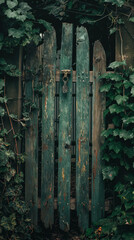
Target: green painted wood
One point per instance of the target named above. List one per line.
(82, 127)
(99, 67)
(47, 166)
(65, 129)
(31, 134)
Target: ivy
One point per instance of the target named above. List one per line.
(118, 153)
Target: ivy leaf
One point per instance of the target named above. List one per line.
(24, 7)
(113, 30)
(106, 133)
(120, 21)
(131, 78)
(131, 106)
(2, 111)
(2, 61)
(105, 87)
(112, 76)
(118, 84)
(121, 99)
(126, 134)
(129, 151)
(125, 164)
(115, 146)
(117, 121)
(2, 84)
(127, 84)
(110, 172)
(131, 19)
(128, 120)
(2, 1)
(132, 91)
(122, 133)
(117, 64)
(45, 24)
(15, 33)
(3, 99)
(114, 108)
(119, 3)
(12, 4)
(10, 14)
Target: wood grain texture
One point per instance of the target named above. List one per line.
(65, 128)
(31, 134)
(82, 127)
(99, 67)
(47, 166)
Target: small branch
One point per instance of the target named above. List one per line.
(11, 124)
(122, 55)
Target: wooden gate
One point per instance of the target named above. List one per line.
(71, 120)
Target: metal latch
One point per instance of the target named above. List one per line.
(65, 79)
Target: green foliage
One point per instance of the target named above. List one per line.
(13, 209)
(118, 153)
(18, 27)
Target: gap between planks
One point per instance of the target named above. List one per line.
(108, 203)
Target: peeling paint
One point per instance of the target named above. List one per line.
(63, 174)
(46, 98)
(83, 168)
(60, 159)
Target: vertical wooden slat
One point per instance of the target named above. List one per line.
(31, 134)
(99, 67)
(82, 127)
(47, 166)
(65, 128)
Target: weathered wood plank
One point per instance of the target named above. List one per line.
(99, 67)
(82, 127)
(31, 134)
(47, 167)
(65, 128)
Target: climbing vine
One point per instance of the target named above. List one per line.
(118, 152)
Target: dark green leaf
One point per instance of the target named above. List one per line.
(117, 64)
(131, 78)
(119, 3)
(128, 120)
(2, 1)
(132, 91)
(127, 84)
(15, 33)
(131, 19)
(105, 87)
(47, 25)
(115, 146)
(112, 76)
(113, 30)
(116, 109)
(110, 172)
(12, 3)
(121, 99)
(2, 111)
